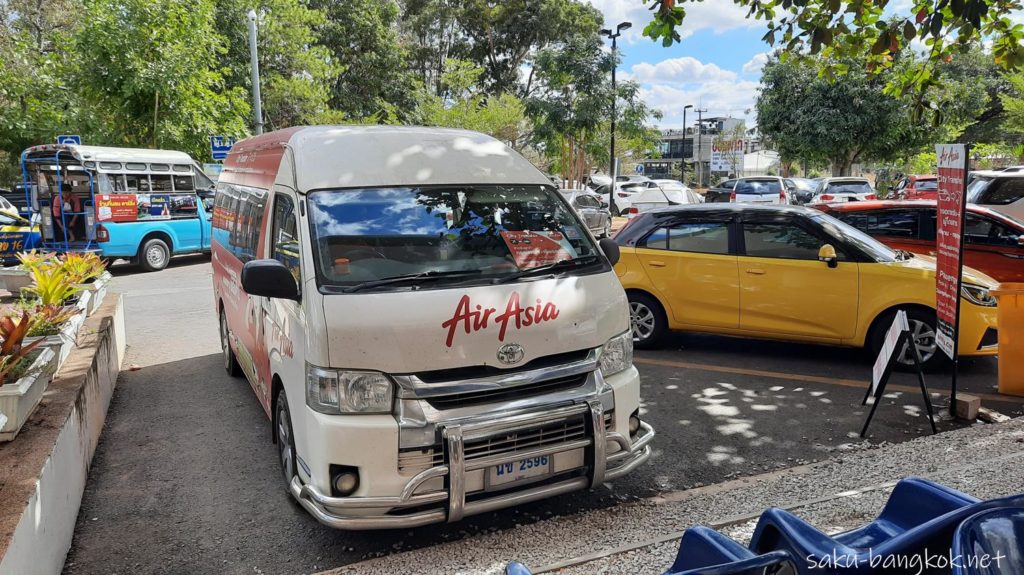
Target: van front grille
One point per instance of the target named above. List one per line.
(506, 393)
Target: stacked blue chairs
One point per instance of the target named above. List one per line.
(920, 515)
(704, 551)
(990, 543)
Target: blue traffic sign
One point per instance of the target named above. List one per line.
(68, 139)
(220, 146)
(640, 169)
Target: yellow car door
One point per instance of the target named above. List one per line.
(690, 267)
(786, 290)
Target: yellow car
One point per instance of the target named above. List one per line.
(786, 273)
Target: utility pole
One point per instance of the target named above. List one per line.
(254, 63)
(615, 64)
(682, 163)
(700, 136)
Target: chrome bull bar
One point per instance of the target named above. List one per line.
(352, 512)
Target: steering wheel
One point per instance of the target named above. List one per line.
(356, 254)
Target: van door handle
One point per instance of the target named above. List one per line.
(755, 272)
(656, 264)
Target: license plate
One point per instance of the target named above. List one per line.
(529, 468)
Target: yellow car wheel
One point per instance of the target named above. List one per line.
(647, 320)
(923, 331)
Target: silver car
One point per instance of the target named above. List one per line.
(591, 210)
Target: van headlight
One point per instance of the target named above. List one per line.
(617, 354)
(334, 391)
(977, 295)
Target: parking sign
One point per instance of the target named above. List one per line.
(220, 146)
(69, 139)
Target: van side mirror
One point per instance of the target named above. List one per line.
(827, 254)
(269, 278)
(610, 249)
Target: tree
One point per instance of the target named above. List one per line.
(1013, 103)
(297, 73)
(373, 67)
(839, 30)
(500, 116)
(146, 75)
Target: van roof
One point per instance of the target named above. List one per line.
(109, 154)
(368, 156)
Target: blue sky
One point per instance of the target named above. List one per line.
(717, 66)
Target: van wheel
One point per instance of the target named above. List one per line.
(285, 439)
(923, 331)
(154, 255)
(230, 361)
(647, 320)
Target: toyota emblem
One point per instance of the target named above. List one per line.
(511, 353)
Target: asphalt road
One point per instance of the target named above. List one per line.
(185, 479)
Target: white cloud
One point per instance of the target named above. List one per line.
(720, 98)
(754, 66)
(680, 71)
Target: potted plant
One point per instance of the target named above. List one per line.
(87, 271)
(24, 374)
(15, 278)
(57, 327)
(51, 285)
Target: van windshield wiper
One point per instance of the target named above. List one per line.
(558, 266)
(416, 277)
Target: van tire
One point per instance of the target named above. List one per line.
(230, 361)
(285, 439)
(647, 320)
(154, 255)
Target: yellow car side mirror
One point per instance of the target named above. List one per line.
(827, 254)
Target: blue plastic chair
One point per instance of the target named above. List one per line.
(516, 568)
(919, 515)
(990, 543)
(704, 551)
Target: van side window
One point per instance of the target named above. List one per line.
(238, 218)
(284, 237)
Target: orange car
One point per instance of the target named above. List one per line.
(916, 188)
(993, 242)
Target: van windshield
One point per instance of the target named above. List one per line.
(453, 233)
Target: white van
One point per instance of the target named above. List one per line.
(429, 326)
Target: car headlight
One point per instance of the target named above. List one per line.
(977, 295)
(334, 391)
(617, 354)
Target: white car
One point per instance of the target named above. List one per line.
(759, 190)
(668, 193)
(1003, 193)
(622, 198)
(843, 189)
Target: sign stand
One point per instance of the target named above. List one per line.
(949, 266)
(896, 338)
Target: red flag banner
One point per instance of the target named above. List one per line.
(952, 166)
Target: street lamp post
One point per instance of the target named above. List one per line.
(255, 65)
(682, 162)
(612, 163)
(700, 136)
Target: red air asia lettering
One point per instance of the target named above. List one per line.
(475, 318)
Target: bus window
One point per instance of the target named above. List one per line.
(183, 168)
(184, 183)
(137, 183)
(160, 183)
(159, 167)
(136, 167)
(110, 165)
(203, 182)
(117, 183)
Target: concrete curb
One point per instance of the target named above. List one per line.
(44, 470)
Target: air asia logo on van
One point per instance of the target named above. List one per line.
(475, 318)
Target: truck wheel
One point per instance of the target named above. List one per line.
(154, 255)
(647, 320)
(285, 439)
(230, 361)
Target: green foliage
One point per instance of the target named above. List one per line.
(1013, 103)
(52, 286)
(841, 30)
(14, 355)
(501, 116)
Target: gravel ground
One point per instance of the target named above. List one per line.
(973, 459)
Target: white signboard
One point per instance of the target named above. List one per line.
(727, 156)
(892, 337)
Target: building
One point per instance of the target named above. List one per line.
(681, 147)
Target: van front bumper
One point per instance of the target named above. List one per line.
(412, 509)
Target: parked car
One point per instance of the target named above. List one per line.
(916, 188)
(668, 193)
(625, 191)
(787, 273)
(754, 190)
(843, 189)
(17, 234)
(802, 190)
(590, 209)
(1003, 193)
(1013, 169)
(993, 243)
